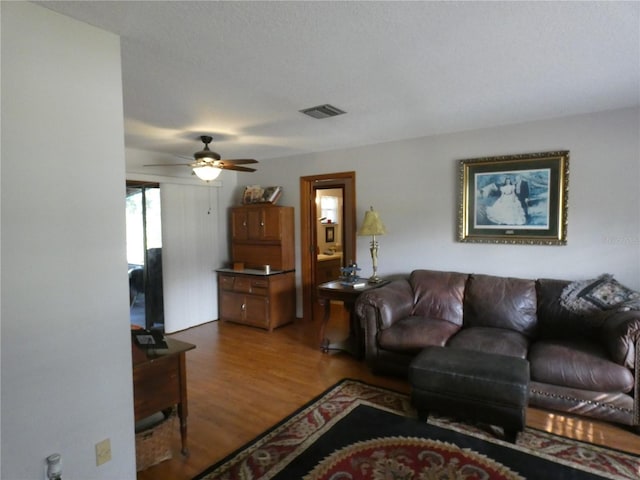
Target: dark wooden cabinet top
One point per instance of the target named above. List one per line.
(252, 271)
(144, 355)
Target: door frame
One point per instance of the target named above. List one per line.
(308, 216)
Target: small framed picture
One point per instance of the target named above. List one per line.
(252, 194)
(257, 194)
(516, 199)
(329, 234)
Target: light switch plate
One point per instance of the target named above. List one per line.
(103, 452)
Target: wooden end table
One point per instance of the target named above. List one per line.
(160, 382)
(336, 290)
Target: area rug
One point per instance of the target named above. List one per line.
(358, 431)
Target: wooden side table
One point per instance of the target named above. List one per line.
(336, 290)
(160, 382)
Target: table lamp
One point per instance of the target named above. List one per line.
(372, 225)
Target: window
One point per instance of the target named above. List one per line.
(329, 209)
(144, 254)
(139, 216)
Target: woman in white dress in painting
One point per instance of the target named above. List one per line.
(507, 210)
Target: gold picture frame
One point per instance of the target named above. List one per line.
(514, 199)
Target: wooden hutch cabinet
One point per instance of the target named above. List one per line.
(260, 235)
(258, 223)
(263, 235)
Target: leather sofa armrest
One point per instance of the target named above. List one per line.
(621, 335)
(391, 302)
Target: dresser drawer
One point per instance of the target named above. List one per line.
(226, 282)
(259, 282)
(259, 286)
(254, 285)
(242, 284)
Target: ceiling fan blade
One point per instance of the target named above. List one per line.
(169, 165)
(236, 168)
(239, 161)
(208, 158)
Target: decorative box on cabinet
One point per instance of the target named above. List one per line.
(263, 235)
(252, 297)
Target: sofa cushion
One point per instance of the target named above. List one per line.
(555, 321)
(412, 334)
(577, 364)
(438, 294)
(501, 302)
(500, 341)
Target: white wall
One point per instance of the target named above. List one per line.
(66, 352)
(414, 185)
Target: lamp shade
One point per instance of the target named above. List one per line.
(372, 225)
(207, 172)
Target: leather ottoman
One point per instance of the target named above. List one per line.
(477, 386)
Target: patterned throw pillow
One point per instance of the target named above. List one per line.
(599, 294)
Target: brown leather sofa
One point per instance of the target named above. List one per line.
(586, 365)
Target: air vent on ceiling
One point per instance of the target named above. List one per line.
(322, 111)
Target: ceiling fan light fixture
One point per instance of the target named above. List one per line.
(207, 172)
(207, 165)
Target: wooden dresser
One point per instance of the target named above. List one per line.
(261, 235)
(254, 298)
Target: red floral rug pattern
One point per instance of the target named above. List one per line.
(270, 454)
(603, 461)
(406, 459)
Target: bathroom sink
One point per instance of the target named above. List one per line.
(323, 256)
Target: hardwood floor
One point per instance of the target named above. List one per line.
(243, 380)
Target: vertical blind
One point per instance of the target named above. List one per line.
(190, 231)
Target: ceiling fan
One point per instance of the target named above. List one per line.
(207, 164)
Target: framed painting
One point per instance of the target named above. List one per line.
(515, 199)
(329, 235)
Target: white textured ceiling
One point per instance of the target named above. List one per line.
(241, 70)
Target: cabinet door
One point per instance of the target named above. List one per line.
(256, 311)
(239, 225)
(232, 306)
(255, 223)
(261, 223)
(272, 224)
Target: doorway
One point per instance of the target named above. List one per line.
(321, 240)
(144, 255)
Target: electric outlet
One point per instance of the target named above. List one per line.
(103, 452)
